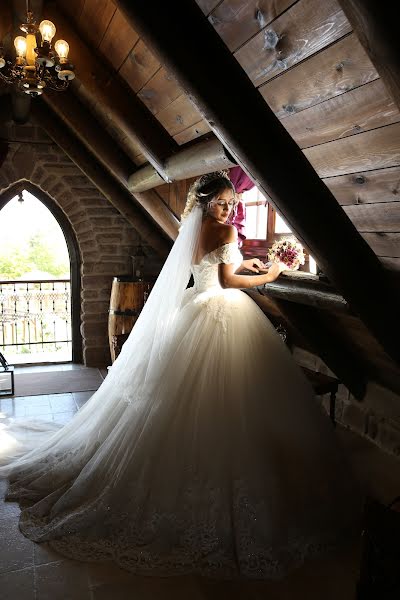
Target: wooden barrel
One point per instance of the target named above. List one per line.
(126, 302)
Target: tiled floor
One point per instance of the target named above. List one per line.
(31, 571)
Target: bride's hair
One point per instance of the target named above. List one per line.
(205, 189)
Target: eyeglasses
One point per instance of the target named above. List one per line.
(230, 203)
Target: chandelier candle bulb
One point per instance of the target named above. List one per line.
(20, 46)
(62, 49)
(47, 30)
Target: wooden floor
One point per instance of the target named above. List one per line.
(30, 571)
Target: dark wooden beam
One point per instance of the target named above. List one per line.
(103, 89)
(98, 142)
(195, 55)
(6, 20)
(376, 25)
(90, 132)
(107, 185)
(328, 343)
(305, 290)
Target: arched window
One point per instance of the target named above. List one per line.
(39, 280)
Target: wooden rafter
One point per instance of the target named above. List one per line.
(95, 83)
(107, 185)
(260, 143)
(99, 143)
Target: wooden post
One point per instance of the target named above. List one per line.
(376, 24)
(195, 55)
(101, 88)
(107, 185)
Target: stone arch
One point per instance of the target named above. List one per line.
(105, 239)
(73, 251)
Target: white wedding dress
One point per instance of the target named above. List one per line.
(220, 463)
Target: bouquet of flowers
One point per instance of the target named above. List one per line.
(288, 251)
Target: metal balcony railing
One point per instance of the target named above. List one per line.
(35, 318)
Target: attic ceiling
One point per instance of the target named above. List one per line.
(308, 62)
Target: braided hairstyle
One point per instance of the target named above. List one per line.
(205, 189)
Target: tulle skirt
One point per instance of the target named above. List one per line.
(219, 462)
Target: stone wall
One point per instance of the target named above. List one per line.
(378, 415)
(105, 239)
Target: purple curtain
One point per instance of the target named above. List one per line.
(242, 183)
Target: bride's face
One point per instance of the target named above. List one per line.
(221, 207)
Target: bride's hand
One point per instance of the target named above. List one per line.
(253, 264)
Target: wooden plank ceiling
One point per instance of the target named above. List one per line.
(312, 71)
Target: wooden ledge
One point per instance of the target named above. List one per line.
(305, 288)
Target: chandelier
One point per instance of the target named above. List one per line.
(37, 66)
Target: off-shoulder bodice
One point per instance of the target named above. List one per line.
(206, 272)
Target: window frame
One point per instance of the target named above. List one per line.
(255, 247)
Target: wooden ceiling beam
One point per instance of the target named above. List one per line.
(119, 197)
(376, 25)
(90, 132)
(198, 159)
(104, 90)
(189, 47)
(99, 143)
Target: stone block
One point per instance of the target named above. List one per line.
(112, 268)
(97, 357)
(91, 282)
(95, 306)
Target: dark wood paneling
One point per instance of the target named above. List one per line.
(118, 40)
(362, 109)
(194, 131)
(207, 5)
(376, 25)
(365, 346)
(100, 87)
(384, 244)
(338, 69)
(305, 28)
(384, 216)
(139, 67)
(238, 20)
(393, 264)
(366, 187)
(179, 115)
(160, 91)
(6, 21)
(72, 8)
(375, 149)
(94, 20)
(175, 194)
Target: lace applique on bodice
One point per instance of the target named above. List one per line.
(205, 274)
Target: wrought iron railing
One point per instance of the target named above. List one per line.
(35, 316)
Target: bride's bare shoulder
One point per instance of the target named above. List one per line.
(228, 233)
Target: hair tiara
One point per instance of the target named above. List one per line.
(209, 177)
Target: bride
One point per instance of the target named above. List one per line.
(204, 450)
